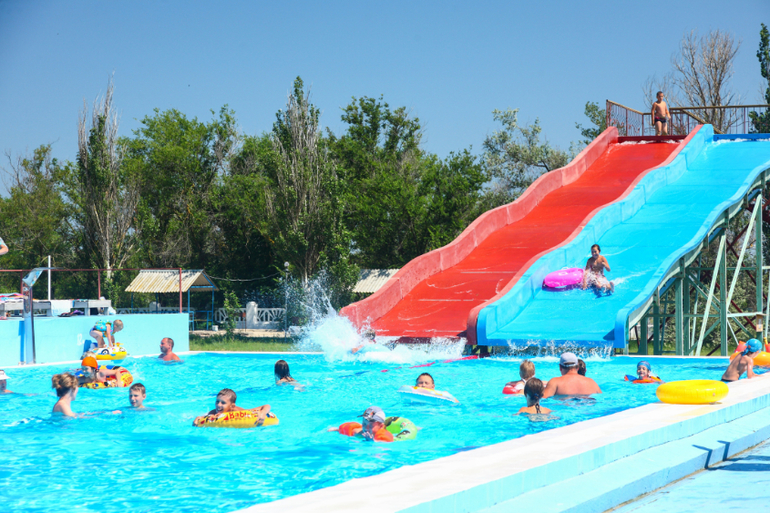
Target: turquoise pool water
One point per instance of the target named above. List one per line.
(156, 461)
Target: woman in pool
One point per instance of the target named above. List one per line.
(66, 386)
(594, 272)
(282, 374)
(533, 391)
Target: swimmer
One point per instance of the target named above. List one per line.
(743, 363)
(105, 331)
(372, 427)
(66, 386)
(581, 367)
(594, 272)
(570, 382)
(3, 380)
(226, 403)
(283, 376)
(368, 337)
(526, 372)
(533, 391)
(93, 374)
(425, 380)
(136, 396)
(167, 351)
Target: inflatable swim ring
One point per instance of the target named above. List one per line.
(426, 395)
(512, 390)
(649, 379)
(693, 391)
(564, 278)
(111, 382)
(116, 352)
(236, 419)
(402, 429)
(761, 360)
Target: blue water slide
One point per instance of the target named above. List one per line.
(666, 217)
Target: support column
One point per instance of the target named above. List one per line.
(643, 336)
(656, 323)
(759, 277)
(723, 299)
(679, 309)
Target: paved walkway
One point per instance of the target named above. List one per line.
(738, 484)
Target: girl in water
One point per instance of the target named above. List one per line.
(282, 374)
(594, 272)
(533, 391)
(66, 386)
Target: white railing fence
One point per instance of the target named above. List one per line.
(256, 318)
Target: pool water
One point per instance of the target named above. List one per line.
(156, 461)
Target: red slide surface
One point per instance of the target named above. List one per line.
(434, 294)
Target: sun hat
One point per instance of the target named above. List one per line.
(3, 375)
(644, 363)
(752, 346)
(89, 361)
(374, 414)
(568, 360)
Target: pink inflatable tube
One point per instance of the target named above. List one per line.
(563, 278)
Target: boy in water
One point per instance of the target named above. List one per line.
(425, 380)
(743, 363)
(167, 351)
(93, 374)
(226, 403)
(594, 272)
(136, 396)
(526, 372)
(105, 332)
(660, 115)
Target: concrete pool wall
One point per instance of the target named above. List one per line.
(588, 466)
(61, 339)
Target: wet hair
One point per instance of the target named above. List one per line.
(659, 92)
(426, 374)
(170, 341)
(534, 389)
(526, 369)
(369, 334)
(140, 387)
(581, 367)
(597, 248)
(63, 383)
(118, 324)
(226, 392)
(282, 370)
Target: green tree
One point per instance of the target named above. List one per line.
(598, 118)
(761, 121)
(515, 157)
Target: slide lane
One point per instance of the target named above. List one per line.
(643, 237)
(436, 294)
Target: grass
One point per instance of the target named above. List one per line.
(224, 342)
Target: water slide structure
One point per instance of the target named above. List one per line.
(651, 203)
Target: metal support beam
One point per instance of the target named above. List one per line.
(722, 296)
(656, 349)
(679, 308)
(643, 336)
(759, 256)
(713, 285)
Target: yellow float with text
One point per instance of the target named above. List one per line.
(693, 391)
(236, 419)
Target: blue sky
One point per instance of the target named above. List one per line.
(450, 63)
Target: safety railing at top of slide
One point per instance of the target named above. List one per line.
(734, 119)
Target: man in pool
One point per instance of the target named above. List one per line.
(570, 382)
(167, 351)
(3, 381)
(743, 363)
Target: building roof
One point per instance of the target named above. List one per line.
(155, 281)
(370, 280)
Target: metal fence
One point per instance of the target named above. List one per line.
(726, 120)
(266, 318)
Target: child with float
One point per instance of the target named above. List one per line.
(526, 372)
(644, 374)
(91, 374)
(225, 403)
(377, 427)
(743, 362)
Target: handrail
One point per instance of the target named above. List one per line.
(723, 107)
(623, 106)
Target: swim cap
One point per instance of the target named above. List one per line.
(752, 346)
(89, 361)
(644, 363)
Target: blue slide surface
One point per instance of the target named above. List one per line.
(642, 236)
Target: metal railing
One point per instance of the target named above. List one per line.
(733, 119)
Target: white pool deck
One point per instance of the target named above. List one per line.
(593, 465)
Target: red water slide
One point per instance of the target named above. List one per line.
(435, 294)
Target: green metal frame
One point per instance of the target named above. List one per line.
(681, 292)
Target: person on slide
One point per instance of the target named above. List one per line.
(594, 273)
(570, 382)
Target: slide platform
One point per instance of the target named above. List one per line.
(439, 294)
(643, 236)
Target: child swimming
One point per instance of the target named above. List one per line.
(226, 403)
(743, 363)
(644, 374)
(136, 396)
(425, 380)
(282, 374)
(533, 391)
(66, 386)
(91, 373)
(526, 372)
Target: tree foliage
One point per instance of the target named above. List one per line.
(598, 118)
(760, 122)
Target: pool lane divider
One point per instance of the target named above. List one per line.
(587, 466)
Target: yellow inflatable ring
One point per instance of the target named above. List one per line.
(761, 360)
(692, 391)
(126, 377)
(236, 419)
(116, 352)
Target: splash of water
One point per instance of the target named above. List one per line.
(550, 350)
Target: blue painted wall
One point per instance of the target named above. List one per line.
(59, 339)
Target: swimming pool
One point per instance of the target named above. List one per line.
(155, 460)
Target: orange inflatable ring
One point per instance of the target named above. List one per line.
(761, 360)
